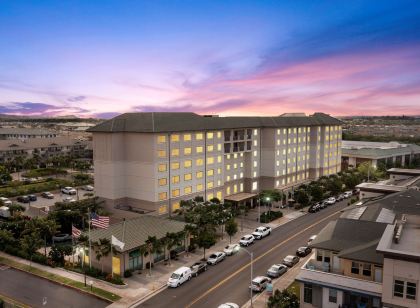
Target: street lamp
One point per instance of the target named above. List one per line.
(251, 254)
(268, 202)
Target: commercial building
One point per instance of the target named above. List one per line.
(43, 148)
(369, 257)
(152, 161)
(388, 153)
(25, 133)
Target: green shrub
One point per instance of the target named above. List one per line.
(270, 216)
(43, 172)
(128, 273)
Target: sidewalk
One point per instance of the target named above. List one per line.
(142, 286)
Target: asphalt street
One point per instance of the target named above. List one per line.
(228, 281)
(37, 292)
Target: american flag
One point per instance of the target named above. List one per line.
(99, 221)
(75, 232)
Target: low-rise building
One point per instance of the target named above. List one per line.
(25, 133)
(43, 148)
(386, 153)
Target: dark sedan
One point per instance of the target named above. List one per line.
(198, 268)
(32, 198)
(23, 199)
(303, 251)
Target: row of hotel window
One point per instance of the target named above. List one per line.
(188, 137)
(188, 163)
(188, 177)
(176, 205)
(188, 150)
(188, 190)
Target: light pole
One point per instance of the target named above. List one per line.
(251, 254)
(268, 202)
(259, 209)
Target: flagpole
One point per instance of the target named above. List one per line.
(112, 261)
(90, 243)
(72, 243)
(123, 235)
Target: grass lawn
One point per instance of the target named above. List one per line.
(63, 280)
(294, 288)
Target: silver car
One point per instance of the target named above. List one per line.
(276, 270)
(290, 260)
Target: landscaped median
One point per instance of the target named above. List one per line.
(61, 280)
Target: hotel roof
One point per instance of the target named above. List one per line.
(160, 122)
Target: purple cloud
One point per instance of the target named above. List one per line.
(76, 98)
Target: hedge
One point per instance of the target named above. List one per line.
(270, 216)
(43, 172)
(25, 189)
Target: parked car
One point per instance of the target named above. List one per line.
(331, 201)
(180, 276)
(348, 194)
(68, 190)
(259, 283)
(88, 188)
(23, 199)
(246, 240)
(198, 268)
(356, 191)
(231, 249)
(216, 257)
(5, 201)
(228, 305)
(276, 270)
(4, 212)
(261, 232)
(303, 251)
(32, 198)
(62, 237)
(290, 260)
(311, 239)
(340, 197)
(69, 199)
(47, 195)
(314, 208)
(323, 205)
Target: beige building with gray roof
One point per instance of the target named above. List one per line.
(152, 161)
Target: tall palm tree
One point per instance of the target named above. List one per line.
(102, 249)
(153, 245)
(172, 240)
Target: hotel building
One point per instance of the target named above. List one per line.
(152, 161)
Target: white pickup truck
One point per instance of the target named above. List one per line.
(261, 232)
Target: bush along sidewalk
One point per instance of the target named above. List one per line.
(96, 273)
(270, 216)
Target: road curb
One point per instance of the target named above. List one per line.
(147, 296)
(62, 284)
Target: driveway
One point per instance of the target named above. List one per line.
(38, 292)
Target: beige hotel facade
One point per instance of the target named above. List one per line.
(152, 161)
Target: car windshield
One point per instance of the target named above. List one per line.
(212, 256)
(244, 238)
(289, 258)
(196, 265)
(274, 268)
(175, 276)
(255, 283)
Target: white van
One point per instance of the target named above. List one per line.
(180, 276)
(4, 212)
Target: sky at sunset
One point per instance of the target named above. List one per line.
(101, 58)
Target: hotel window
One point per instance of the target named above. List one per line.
(254, 174)
(210, 172)
(199, 162)
(307, 293)
(278, 141)
(187, 190)
(175, 165)
(234, 176)
(175, 192)
(161, 153)
(398, 288)
(355, 268)
(209, 197)
(277, 163)
(219, 134)
(219, 170)
(162, 182)
(219, 182)
(219, 146)
(242, 154)
(255, 132)
(210, 185)
(199, 187)
(235, 155)
(209, 135)
(199, 174)
(277, 183)
(241, 175)
(255, 163)
(228, 178)
(228, 190)
(219, 159)
(161, 139)
(210, 160)
(278, 131)
(162, 167)
(332, 295)
(175, 152)
(254, 185)
(199, 150)
(163, 196)
(219, 195)
(175, 206)
(163, 209)
(174, 138)
(255, 143)
(210, 148)
(241, 164)
(227, 167)
(411, 290)
(187, 177)
(255, 153)
(188, 163)
(228, 156)
(199, 136)
(235, 189)
(187, 137)
(187, 151)
(235, 165)
(175, 179)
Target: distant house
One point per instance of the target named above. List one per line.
(25, 133)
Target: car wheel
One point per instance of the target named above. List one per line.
(189, 277)
(177, 285)
(205, 268)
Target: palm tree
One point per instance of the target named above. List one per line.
(102, 249)
(47, 228)
(153, 245)
(172, 240)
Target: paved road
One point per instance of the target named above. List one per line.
(229, 280)
(33, 291)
